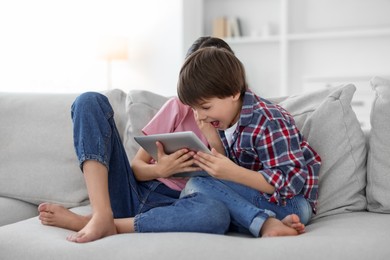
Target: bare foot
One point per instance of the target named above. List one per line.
(294, 222)
(100, 225)
(273, 227)
(59, 216)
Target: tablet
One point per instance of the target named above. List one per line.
(171, 142)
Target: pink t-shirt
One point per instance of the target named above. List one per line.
(174, 116)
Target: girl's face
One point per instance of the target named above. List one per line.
(222, 113)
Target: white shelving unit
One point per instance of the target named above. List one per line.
(309, 42)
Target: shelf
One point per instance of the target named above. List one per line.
(312, 36)
(339, 34)
(253, 39)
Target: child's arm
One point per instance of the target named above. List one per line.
(166, 165)
(221, 167)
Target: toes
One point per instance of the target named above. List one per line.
(42, 207)
(73, 237)
(45, 218)
(47, 207)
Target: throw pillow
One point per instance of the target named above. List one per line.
(141, 106)
(331, 127)
(378, 162)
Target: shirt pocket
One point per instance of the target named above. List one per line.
(249, 158)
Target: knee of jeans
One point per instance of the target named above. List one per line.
(86, 98)
(220, 221)
(215, 214)
(90, 100)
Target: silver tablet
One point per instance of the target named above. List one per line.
(171, 142)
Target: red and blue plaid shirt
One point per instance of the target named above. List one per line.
(267, 140)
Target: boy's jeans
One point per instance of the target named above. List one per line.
(243, 202)
(156, 208)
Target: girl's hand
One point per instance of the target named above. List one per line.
(179, 161)
(216, 164)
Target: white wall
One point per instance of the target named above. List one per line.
(51, 46)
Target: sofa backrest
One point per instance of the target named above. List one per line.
(38, 162)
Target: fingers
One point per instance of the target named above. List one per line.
(160, 149)
(183, 154)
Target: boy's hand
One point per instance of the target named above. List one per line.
(180, 161)
(211, 134)
(206, 128)
(216, 164)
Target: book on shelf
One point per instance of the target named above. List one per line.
(235, 27)
(226, 27)
(219, 27)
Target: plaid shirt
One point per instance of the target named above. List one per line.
(267, 140)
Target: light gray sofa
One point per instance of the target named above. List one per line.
(38, 164)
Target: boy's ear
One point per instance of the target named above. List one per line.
(236, 96)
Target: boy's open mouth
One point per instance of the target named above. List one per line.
(215, 124)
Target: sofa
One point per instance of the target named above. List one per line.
(38, 164)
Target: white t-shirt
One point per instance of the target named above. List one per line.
(229, 133)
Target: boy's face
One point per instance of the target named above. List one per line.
(222, 113)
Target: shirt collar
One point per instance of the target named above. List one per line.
(248, 106)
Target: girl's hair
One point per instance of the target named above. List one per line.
(208, 41)
(208, 73)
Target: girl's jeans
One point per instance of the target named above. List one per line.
(156, 207)
(244, 203)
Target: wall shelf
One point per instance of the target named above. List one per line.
(368, 33)
(303, 37)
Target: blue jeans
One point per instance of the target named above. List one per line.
(248, 207)
(156, 207)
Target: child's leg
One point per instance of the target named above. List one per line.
(194, 213)
(244, 214)
(297, 205)
(96, 138)
(102, 221)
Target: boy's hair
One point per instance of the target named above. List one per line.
(208, 73)
(208, 41)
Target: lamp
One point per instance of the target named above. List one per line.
(110, 49)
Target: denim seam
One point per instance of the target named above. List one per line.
(136, 223)
(93, 157)
(258, 222)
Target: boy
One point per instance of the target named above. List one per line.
(267, 160)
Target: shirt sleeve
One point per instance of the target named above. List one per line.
(284, 165)
(166, 119)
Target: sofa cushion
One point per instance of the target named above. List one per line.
(328, 122)
(13, 210)
(38, 162)
(357, 236)
(378, 162)
(141, 106)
